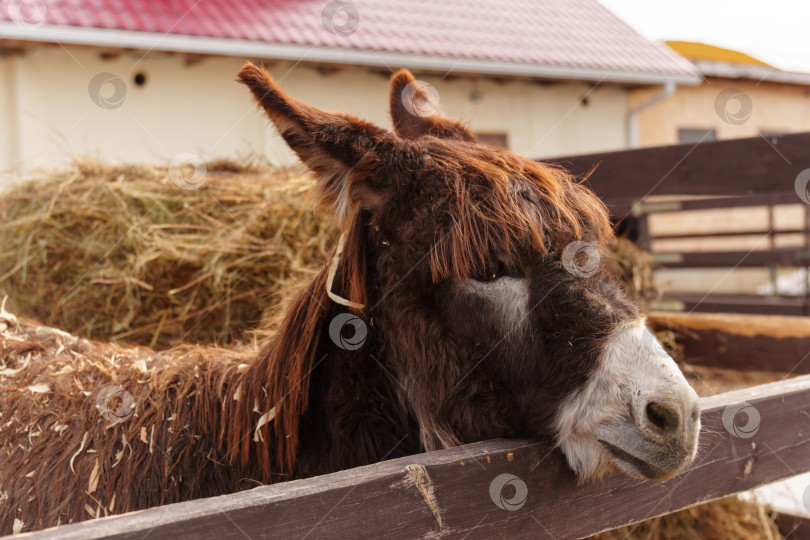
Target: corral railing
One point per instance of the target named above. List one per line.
(765, 172)
(501, 488)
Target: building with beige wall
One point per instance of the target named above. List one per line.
(199, 108)
(740, 96)
(121, 81)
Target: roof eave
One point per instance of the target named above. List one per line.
(726, 70)
(126, 39)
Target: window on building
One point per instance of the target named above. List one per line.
(696, 135)
(501, 140)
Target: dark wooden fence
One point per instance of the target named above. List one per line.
(450, 493)
(741, 342)
(755, 172)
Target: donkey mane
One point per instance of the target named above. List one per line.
(484, 213)
(488, 216)
(282, 368)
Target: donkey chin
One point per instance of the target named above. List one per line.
(636, 414)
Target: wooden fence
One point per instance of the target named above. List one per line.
(755, 172)
(454, 493)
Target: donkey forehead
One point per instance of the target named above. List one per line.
(464, 203)
(459, 220)
(453, 175)
(474, 161)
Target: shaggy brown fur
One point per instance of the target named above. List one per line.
(64, 461)
(424, 210)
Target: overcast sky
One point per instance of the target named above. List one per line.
(775, 31)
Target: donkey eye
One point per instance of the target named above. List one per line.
(496, 269)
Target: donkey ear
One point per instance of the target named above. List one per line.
(415, 114)
(342, 150)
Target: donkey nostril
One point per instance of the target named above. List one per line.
(662, 417)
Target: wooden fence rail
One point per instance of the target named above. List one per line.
(455, 494)
(741, 342)
(758, 166)
(756, 172)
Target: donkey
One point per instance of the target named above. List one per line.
(466, 300)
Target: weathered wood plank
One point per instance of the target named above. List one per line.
(734, 167)
(740, 304)
(722, 202)
(728, 234)
(758, 342)
(793, 527)
(623, 207)
(447, 493)
(736, 259)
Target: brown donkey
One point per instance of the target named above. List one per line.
(466, 301)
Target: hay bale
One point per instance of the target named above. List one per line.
(726, 518)
(121, 253)
(632, 267)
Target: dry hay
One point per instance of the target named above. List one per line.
(712, 380)
(631, 266)
(725, 519)
(121, 253)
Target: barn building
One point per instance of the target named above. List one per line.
(147, 80)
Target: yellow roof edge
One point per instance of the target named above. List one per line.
(695, 50)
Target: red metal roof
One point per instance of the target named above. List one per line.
(570, 33)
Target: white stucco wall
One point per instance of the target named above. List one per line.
(47, 114)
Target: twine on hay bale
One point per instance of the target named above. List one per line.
(122, 253)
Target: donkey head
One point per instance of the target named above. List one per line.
(483, 278)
